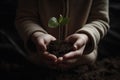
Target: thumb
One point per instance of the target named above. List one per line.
(77, 45)
(47, 41)
(41, 46)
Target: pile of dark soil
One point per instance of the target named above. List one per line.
(59, 48)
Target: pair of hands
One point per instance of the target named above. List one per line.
(66, 61)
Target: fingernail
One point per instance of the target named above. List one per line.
(60, 59)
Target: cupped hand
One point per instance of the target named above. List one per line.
(41, 41)
(70, 59)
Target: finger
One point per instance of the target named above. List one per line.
(53, 39)
(50, 57)
(41, 45)
(74, 54)
(70, 39)
(49, 39)
(63, 64)
(60, 59)
(69, 62)
(78, 44)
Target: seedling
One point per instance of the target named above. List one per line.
(60, 22)
(59, 47)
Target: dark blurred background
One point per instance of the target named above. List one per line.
(110, 45)
(11, 46)
(7, 15)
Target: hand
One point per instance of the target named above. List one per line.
(41, 41)
(70, 59)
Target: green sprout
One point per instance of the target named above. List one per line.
(54, 22)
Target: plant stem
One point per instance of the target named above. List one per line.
(59, 33)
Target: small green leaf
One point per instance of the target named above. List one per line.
(53, 23)
(64, 21)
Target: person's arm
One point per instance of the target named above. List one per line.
(86, 39)
(27, 19)
(35, 37)
(97, 25)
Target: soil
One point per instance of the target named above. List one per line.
(59, 48)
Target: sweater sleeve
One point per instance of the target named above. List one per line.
(97, 24)
(27, 22)
(27, 19)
